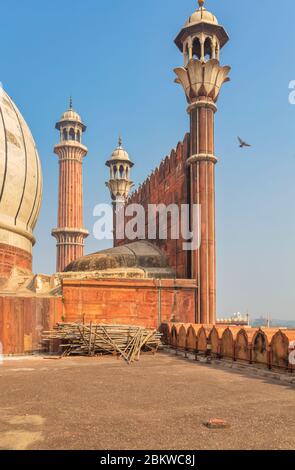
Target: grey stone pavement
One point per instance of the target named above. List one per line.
(158, 403)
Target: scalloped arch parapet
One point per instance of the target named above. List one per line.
(267, 347)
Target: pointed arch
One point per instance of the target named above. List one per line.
(72, 134)
(208, 49)
(197, 50)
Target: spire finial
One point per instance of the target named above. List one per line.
(201, 2)
(120, 142)
(71, 102)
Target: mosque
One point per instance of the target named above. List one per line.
(143, 282)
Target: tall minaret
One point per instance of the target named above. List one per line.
(119, 183)
(70, 233)
(202, 76)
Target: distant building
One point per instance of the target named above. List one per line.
(237, 319)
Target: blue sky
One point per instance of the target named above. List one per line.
(116, 57)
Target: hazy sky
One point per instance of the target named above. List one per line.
(117, 57)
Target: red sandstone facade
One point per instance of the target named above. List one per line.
(168, 184)
(22, 320)
(202, 183)
(144, 302)
(188, 175)
(147, 302)
(70, 233)
(12, 257)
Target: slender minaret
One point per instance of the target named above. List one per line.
(202, 76)
(70, 233)
(119, 183)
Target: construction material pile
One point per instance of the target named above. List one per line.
(91, 340)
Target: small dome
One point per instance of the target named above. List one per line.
(71, 115)
(201, 16)
(120, 153)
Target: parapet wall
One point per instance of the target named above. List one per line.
(168, 184)
(142, 302)
(264, 347)
(22, 320)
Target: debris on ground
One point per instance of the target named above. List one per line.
(93, 339)
(217, 424)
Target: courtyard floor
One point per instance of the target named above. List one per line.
(159, 403)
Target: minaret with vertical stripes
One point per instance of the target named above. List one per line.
(202, 77)
(70, 233)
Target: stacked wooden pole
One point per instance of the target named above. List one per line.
(125, 341)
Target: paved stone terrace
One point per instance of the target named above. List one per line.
(159, 403)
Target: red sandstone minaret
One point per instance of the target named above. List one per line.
(70, 233)
(202, 76)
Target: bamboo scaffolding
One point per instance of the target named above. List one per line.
(124, 341)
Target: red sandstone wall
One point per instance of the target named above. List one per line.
(136, 302)
(11, 257)
(168, 185)
(22, 320)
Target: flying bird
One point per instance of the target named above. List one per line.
(243, 143)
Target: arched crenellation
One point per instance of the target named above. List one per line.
(174, 337)
(268, 348)
(279, 350)
(260, 348)
(214, 341)
(227, 344)
(242, 346)
(202, 343)
(182, 338)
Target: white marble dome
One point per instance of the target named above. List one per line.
(20, 178)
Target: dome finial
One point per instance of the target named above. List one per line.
(71, 102)
(201, 2)
(120, 142)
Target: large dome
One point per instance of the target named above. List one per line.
(20, 179)
(138, 259)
